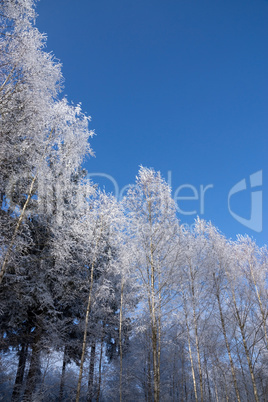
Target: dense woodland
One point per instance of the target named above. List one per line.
(103, 300)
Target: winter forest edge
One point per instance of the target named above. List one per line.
(103, 300)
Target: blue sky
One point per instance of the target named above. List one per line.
(177, 85)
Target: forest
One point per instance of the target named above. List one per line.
(102, 300)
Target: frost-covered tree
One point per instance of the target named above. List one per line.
(43, 143)
(154, 228)
(34, 123)
(29, 83)
(146, 309)
(102, 234)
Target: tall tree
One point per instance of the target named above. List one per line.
(152, 216)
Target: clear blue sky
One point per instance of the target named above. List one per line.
(177, 85)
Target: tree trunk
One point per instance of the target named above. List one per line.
(241, 327)
(196, 335)
(86, 320)
(149, 378)
(215, 385)
(173, 388)
(120, 340)
(159, 334)
(225, 338)
(34, 373)
(90, 391)
(62, 380)
(208, 381)
(264, 315)
(20, 372)
(226, 388)
(184, 391)
(155, 331)
(189, 344)
(242, 370)
(100, 363)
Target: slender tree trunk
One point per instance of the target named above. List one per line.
(263, 314)
(62, 380)
(20, 372)
(154, 332)
(226, 339)
(241, 327)
(215, 385)
(226, 388)
(85, 336)
(120, 339)
(184, 391)
(151, 303)
(145, 388)
(216, 392)
(182, 376)
(198, 358)
(154, 344)
(100, 365)
(223, 382)
(91, 372)
(159, 341)
(152, 306)
(173, 378)
(149, 378)
(196, 334)
(86, 320)
(242, 369)
(207, 374)
(189, 344)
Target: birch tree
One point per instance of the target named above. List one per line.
(102, 229)
(152, 216)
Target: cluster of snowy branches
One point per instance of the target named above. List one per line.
(101, 300)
